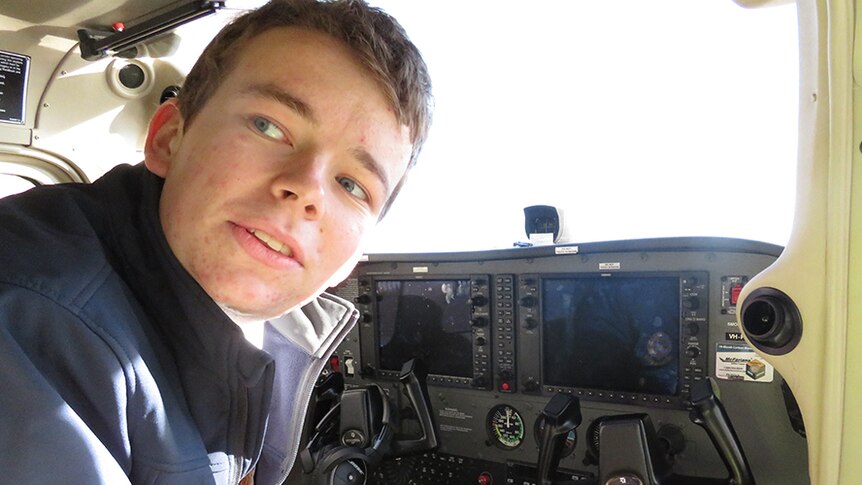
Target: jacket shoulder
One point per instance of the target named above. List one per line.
(84, 388)
(50, 241)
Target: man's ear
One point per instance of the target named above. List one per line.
(163, 138)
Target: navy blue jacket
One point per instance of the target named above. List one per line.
(115, 366)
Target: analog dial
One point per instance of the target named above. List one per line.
(505, 426)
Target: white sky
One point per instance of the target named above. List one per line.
(637, 119)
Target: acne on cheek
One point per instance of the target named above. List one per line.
(223, 287)
(224, 177)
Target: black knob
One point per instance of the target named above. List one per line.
(531, 385)
(480, 341)
(366, 318)
(691, 303)
(362, 299)
(530, 323)
(693, 328)
(692, 352)
(671, 439)
(528, 301)
(506, 375)
(479, 322)
(479, 300)
(367, 371)
(480, 382)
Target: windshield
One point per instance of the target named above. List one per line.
(634, 119)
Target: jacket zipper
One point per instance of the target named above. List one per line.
(308, 380)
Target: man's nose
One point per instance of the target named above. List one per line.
(302, 183)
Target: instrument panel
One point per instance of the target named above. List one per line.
(626, 326)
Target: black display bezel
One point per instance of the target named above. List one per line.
(477, 359)
(692, 287)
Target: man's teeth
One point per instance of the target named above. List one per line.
(270, 241)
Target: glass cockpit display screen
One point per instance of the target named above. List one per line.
(425, 319)
(612, 333)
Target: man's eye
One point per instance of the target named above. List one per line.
(267, 128)
(353, 188)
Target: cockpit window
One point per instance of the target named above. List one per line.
(13, 184)
(23, 168)
(634, 119)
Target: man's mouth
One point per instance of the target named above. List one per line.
(272, 242)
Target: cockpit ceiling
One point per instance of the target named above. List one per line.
(81, 13)
(101, 13)
(93, 14)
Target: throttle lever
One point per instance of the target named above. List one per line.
(561, 416)
(708, 413)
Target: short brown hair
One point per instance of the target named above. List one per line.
(378, 40)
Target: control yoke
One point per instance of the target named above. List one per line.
(561, 416)
(414, 377)
(629, 451)
(355, 433)
(708, 413)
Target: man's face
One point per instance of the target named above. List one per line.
(271, 189)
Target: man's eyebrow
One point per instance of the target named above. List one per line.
(373, 166)
(283, 97)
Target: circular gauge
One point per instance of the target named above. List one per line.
(505, 426)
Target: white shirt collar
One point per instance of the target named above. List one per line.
(310, 327)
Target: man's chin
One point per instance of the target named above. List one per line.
(252, 313)
(257, 307)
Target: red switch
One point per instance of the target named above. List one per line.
(334, 364)
(735, 290)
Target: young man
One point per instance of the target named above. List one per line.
(121, 302)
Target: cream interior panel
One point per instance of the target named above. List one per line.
(85, 97)
(45, 46)
(851, 466)
(41, 167)
(813, 269)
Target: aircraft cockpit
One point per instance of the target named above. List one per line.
(537, 324)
